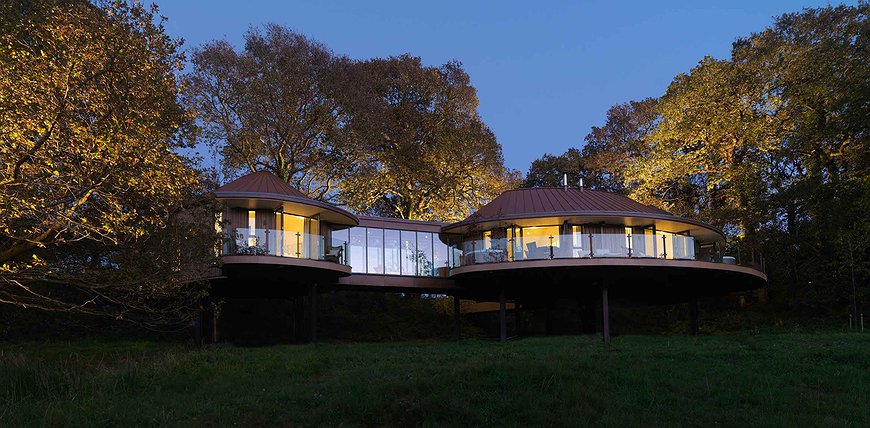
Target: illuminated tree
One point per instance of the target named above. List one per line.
(96, 208)
(422, 150)
(268, 108)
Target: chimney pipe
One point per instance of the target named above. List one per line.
(581, 184)
(565, 181)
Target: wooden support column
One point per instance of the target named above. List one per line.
(518, 317)
(457, 320)
(694, 315)
(502, 317)
(312, 301)
(605, 315)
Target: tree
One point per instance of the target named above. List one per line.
(621, 143)
(423, 151)
(269, 108)
(706, 152)
(96, 210)
(609, 151)
(816, 63)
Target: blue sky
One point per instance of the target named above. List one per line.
(545, 74)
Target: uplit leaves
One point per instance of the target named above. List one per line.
(89, 119)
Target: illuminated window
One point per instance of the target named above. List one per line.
(252, 228)
(536, 241)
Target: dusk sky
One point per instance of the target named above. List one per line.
(544, 75)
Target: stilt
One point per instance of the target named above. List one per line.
(502, 317)
(605, 315)
(694, 309)
(457, 321)
(312, 301)
(518, 317)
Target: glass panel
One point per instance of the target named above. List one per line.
(270, 242)
(424, 253)
(439, 258)
(641, 245)
(293, 228)
(684, 247)
(565, 247)
(652, 245)
(579, 242)
(312, 228)
(537, 242)
(392, 253)
(609, 245)
(409, 252)
(357, 249)
(456, 254)
(665, 245)
(339, 237)
(375, 245)
(337, 250)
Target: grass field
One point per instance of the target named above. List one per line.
(786, 379)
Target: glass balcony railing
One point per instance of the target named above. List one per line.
(575, 245)
(281, 243)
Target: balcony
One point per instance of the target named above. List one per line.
(664, 246)
(280, 244)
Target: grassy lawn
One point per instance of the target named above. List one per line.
(787, 379)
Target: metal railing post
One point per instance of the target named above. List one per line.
(551, 247)
(664, 247)
(591, 254)
(298, 245)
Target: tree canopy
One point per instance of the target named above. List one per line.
(268, 107)
(424, 152)
(770, 144)
(95, 204)
(386, 136)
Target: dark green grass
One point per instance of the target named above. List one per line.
(777, 380)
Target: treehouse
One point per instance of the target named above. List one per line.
(529, 246)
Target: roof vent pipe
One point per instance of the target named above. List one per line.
(581, 184)
(565, 181)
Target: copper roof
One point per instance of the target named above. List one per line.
(545, 202)
(260, 182)
(262, 187)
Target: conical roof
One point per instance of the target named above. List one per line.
(566, 203)
(264, 190)
(548, 200)
(260, 182)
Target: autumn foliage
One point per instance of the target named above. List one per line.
(95, 203)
